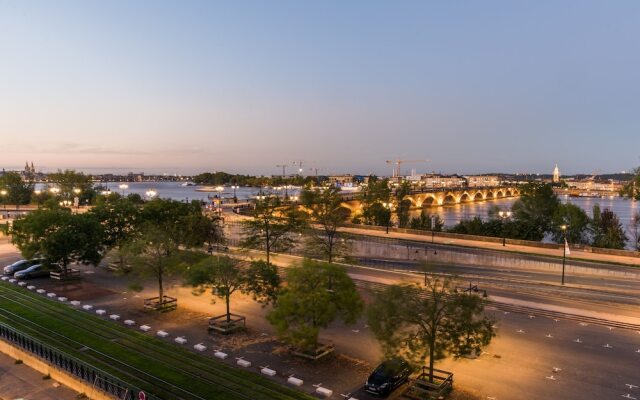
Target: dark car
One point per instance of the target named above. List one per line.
(20, 266)
(34, 271)
(388, 376)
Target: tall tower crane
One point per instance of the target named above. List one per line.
(284, 168)
(299, 164)
(398, 163)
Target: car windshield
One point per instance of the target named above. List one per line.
(388, 369)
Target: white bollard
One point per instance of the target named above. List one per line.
(74, 303)
(87, 307)
(243, 363)
(324, 391)
(41, 291)
(145, 328)
(22, 283)
(180, 340)
(220, 355)
(51, 295)
(101, 312)
(200, 347)
(268, 372)
(162, 334)
(114, 317)
(12, 280)
(5, 278)
(129, 322)
(62, 299)
(295, 381)
(31, 287)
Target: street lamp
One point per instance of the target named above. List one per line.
(65, 203)
(55, 190)
(235, 187)
(388, 206)
(564, 249)
(76, 199)
(123, 187)
(3, 193)
(151, 194)
(504, 215)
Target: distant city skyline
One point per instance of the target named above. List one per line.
(475, 87)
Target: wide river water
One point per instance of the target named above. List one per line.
(451, 214)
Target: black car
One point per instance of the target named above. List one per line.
(388, 376)
(34, 271)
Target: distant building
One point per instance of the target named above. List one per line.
(341, 180)
(483, 180)
(556, 174)
(431, 181)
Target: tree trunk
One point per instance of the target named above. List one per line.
(228, 312)
(160, 288)
(431, 354)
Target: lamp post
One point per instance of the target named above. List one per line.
(433, 227)
(151, 193)
(65, 203)
(388, 206)
(235, 187)
(76, 199)
(564, 249)
(3, 193)
(504, 215)
(54, 190)
(38, 192)
(123, 187)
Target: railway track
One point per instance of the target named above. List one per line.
(195, 368)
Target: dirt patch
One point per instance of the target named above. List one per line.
(76, 290)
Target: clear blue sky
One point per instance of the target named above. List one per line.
(186, 86)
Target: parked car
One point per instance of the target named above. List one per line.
(34, 271)
(387, 377)
(20, 266)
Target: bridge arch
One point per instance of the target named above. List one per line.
(465, 198)
(478, 196)
(449, 198)
(508, 193)
(499, 194)
(429, 200)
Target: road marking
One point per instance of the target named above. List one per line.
(631, 386)
(556, 369)
(583, 324)
(520, 331)
(549, 336)
(607, 346)
(552, 378)
(628, 396)
(577, 341)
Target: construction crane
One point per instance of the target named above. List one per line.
(299, 164)
(284, 168)
(398, 163)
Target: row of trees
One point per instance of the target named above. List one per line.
(539, 213)
(69, 184)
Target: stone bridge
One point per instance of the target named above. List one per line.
(446, 196)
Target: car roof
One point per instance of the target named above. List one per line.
(391, 366)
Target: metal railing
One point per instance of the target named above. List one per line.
(98, 379)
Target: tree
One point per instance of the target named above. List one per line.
(404, 205)
(373, 197)
(224, 276)
(69, 182)
(577, 222)
(60, 237)
(607, 230)
(424, 222)
(533, 212)
(635, 231)
(18, 191)
(120, 219)
(316, 294)
(632, 188)
(431, 326)
(326, 210)
(272, 226)
(161, 248)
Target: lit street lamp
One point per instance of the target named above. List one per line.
(388, 206)
(151, 194)
(504, 215)
(76, 199)
(235, 187)
(564, 248)
(54, 190)
(123, 187)
(3, 193)
(65, 203)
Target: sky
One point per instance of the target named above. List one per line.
(343, 86)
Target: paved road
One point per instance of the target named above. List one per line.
(591, 361)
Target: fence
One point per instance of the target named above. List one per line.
(95, 377)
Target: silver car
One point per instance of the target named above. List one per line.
(17, 266)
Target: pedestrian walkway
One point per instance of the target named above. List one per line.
(18, 381)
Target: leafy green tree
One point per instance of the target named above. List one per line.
(272, 227)
(430, 326)
(424, 222)
(223, 276)
(18, 191)
(316, 294)
(635, 231)
(476, 226)
(326, 210)
(404, 205)
(577, 221)
(373, 197)
(632, 188)
(120, 219)
(607, 230)
(59, 236)
(533, 212)
(69, 182)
